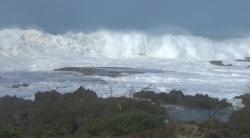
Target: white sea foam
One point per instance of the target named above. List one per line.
(35, 50)
(27, 56)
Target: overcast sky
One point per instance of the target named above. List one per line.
(203, 17)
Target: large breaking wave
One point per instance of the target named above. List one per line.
(33, 49)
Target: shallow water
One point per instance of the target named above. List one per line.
(185, 115)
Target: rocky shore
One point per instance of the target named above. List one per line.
(176, 97)
(82, 114)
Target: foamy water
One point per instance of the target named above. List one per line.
(36, 50)
(28, 56)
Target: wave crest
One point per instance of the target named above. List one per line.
(32, 48)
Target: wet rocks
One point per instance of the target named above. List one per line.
(219, 63)
(20, 85)
(176, 97)
(47, 96)
(52, 96)
(107, 71)
(246, 59)
(85, 93)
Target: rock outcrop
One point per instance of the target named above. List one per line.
(246, 59)
(19, 85)
(219, 63)
(176, 97)
(107, 71)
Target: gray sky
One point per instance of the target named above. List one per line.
(201, 17)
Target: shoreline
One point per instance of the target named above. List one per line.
(174, 100)
(83, 114)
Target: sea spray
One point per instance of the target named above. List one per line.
(35, 49)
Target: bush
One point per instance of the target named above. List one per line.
(53, 114)
(9, 132)
(124, 123)
(240, 119)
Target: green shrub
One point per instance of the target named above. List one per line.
(54, 115)
(240, 119)
(9, 132)
(124, 123)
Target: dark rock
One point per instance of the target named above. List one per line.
(107, 71)
(85, 93)
(247, 59)
(176, 97)
(20, 85)
(173, 97)
(147, 95)
(176, 94)
(48, 96)
(7, 99)
(219, 63)
(53, 96)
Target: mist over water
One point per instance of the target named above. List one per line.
(36, 50)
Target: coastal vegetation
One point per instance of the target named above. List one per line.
(82, 114)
